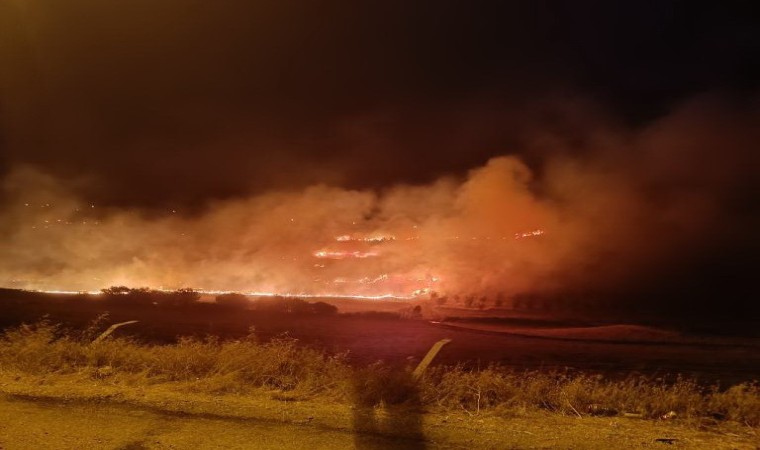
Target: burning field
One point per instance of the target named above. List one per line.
(612, 281)
(379, 224)
(581, 226)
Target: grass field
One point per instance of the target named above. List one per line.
(612, 350)
(297, 372)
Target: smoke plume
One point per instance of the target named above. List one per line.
(623, 211)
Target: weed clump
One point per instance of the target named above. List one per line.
(231, 366)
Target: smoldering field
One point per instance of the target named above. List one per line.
(655, 217)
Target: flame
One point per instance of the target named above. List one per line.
(337, 254)
(415, 294)
(533, 233)
(371, 239)
(369, 287)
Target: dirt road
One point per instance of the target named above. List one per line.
(33, 425)
(26, 424)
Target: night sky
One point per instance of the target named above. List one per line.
(176, 105)
(202, 99)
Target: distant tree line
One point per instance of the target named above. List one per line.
(185, 298)
(566, 301)
(470, 301)
(136, 297)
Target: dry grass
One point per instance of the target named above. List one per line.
(507, 391)
(293, 371)
(230, 366)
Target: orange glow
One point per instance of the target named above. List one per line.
(320, 242)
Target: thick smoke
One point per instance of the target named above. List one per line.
(630, 209)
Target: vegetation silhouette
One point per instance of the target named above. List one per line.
(136, 297)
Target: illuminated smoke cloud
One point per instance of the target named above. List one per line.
(633, 203)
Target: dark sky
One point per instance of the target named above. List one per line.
(174, 102)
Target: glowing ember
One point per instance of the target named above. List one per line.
(538, 232)
(372, 239)
(331, 254)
